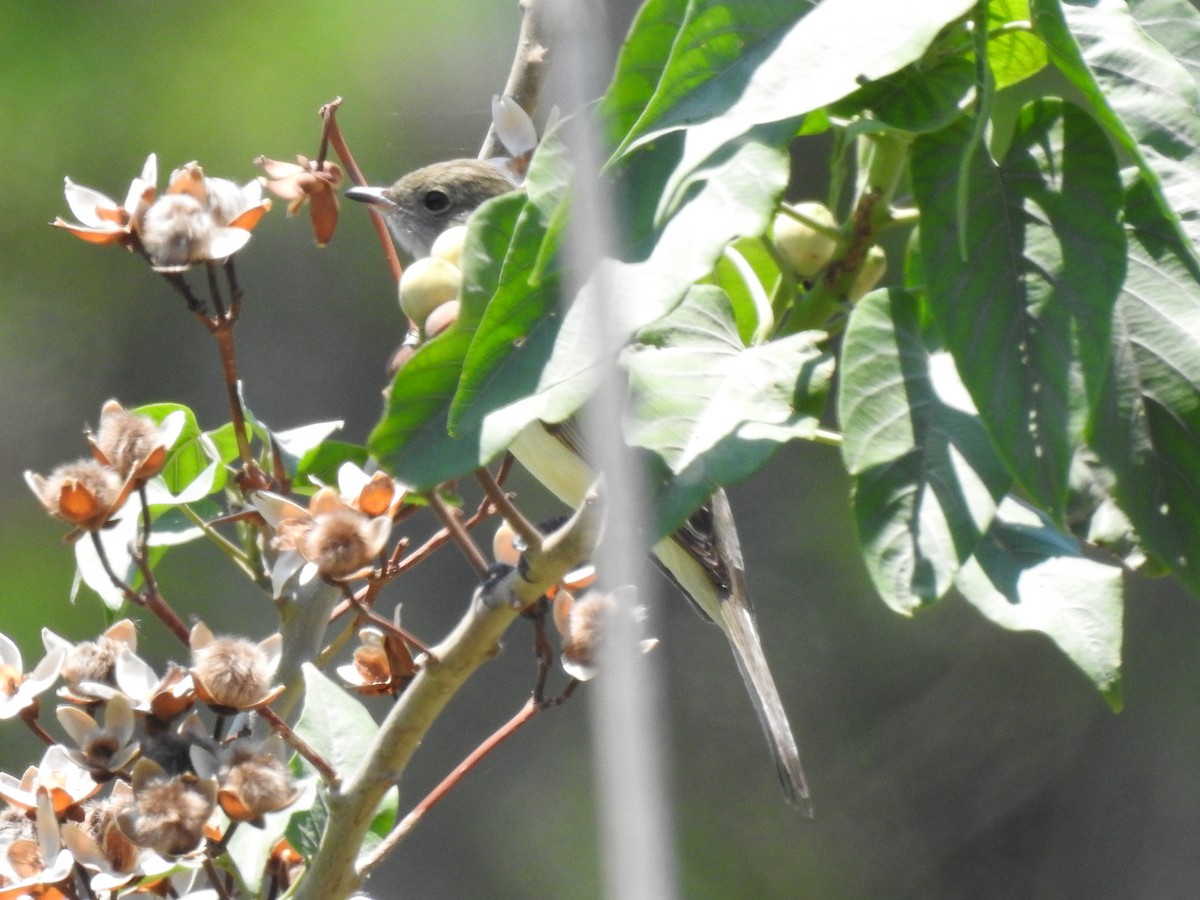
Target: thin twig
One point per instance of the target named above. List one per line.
(454, 525)
(331, 134)
(526, 530)
(405, 826)
(29, 716)
(297, 743)
(214, 878)
(381, 623)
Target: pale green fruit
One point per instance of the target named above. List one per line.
(426, 285)
(806, 251)
(873, 268)
(442, 318)
(449, 244)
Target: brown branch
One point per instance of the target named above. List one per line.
(528, 72)
(527, 531)
(301, 746)
(405, 826)
(331, 134)
(449, 518)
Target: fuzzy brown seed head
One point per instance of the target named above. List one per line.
(168, 816)
(82, 493)
(340, 543)
(92, 661)
(129, 443)
(254, 781)
(233, 672)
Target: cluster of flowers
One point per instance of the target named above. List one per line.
(197, 218)
(141, 786)
(127, 451)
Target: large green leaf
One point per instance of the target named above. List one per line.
(736, 196)
(644, 55)
(917, 98)
(337, 726)
(1013, 55)
(711, 408)
(1026, 310)
(1175, 25)
(1028, 576)
(1147, 427)
(738, 66)
(1144, 96)
(925, 477)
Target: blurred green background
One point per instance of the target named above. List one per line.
(947, 758)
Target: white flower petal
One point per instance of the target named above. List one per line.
(84, 202)
(224, 242)
(513, 126)
(10, 653)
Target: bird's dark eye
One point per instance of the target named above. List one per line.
(436, 201)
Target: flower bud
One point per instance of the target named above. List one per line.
(871, 273)
(449, 245)
(806, 250)
(442, 318)
(426, 285)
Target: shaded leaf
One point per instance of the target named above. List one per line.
(1026, 312)
(768, 69)
(1147, 426)
(1028, 576)
(926, 479)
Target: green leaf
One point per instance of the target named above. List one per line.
(712, 410)
(514, 299)
(1026, 312)
(1147, 427)
(1174, 24)
(705, 42)
(736, 196)
(644, 55)
(738, 66)
(190, 456)
(1137, 90)
(1028, 576)
(776, 282)
(917, 98)
(295, 443)
(413, 441)
(693, 382)
(1014, 55)
(337, 726)
(925, 478)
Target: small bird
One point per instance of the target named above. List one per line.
(703, 558)
(424, 203)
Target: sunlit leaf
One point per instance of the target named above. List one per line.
(1143, 96)
(337, 726)
(926, 479)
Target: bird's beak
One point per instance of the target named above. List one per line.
(372, 195)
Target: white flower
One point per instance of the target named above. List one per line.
(18, 691)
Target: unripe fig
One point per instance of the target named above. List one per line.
(449, 244)
(442, 318)
(806, 251)
(426, 285)
(871, 273)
